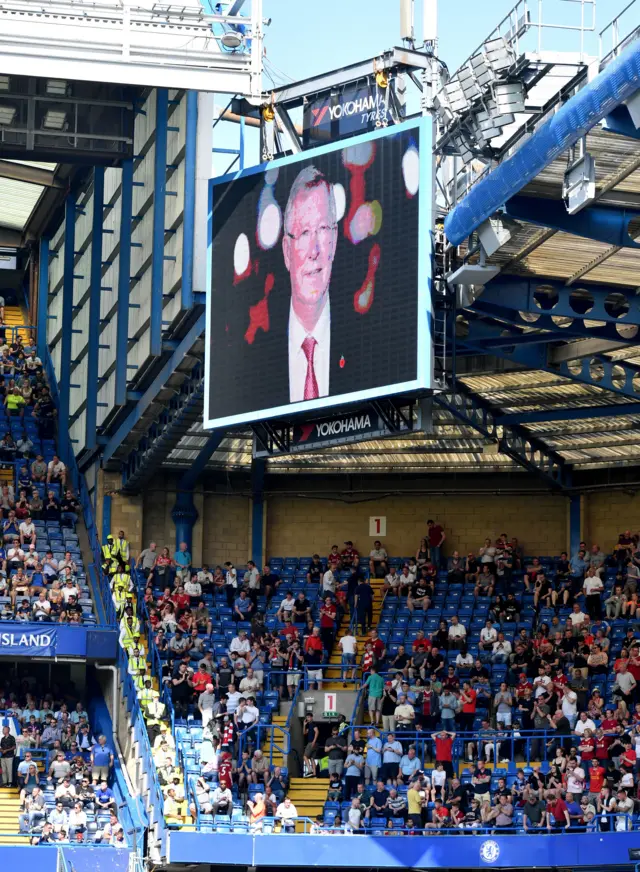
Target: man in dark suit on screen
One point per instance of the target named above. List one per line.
(309, 246)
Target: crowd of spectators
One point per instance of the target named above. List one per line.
(63, 771)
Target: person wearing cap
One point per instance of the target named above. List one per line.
(534, 813)
(348, 554)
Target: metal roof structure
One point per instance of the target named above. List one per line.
(544, 370)
(21, 186)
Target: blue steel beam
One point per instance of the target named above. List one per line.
(515, 442)
(93, 338)
(189, 212)
(619, 122)
(606, 224)
(124, 282)
(258, 468)
(191, 476)
(582, 413)
(159, 200)
(549, 296)
(43, 296)
(619, 376)
(617, 82)
(67, 312)
(154, 388)
(554, 331)
(165, 433)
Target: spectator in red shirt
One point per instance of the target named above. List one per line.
(587, 746)
(334, 560)
(444, 750)
(420, 643)
(596, 778)
(468, 700)
(225, 779)
(378, 646)
(436, 537)
(327, 623)
(348, 554)
(602, 745)
(558, 813)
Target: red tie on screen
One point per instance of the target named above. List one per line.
(310, 383)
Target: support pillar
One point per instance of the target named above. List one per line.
(257, 510)
(575, 523)
(64, 381)
(43, 297)
(184, 515)
(106, 517)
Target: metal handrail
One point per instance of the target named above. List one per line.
(482, 828)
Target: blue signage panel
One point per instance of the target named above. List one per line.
(56, 640)
(32, 642)
(423, 852)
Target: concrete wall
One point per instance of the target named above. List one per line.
(297, 525)
(306, 526)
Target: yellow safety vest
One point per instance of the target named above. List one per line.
(129, 633)
(122, 548)
(139, 664)
(121, 581)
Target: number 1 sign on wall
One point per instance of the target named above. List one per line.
(377, 526)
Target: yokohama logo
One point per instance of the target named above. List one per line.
(345, 110)
(343, 425)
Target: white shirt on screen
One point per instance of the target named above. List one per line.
(297, 357)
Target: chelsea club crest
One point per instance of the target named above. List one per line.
(489, 851)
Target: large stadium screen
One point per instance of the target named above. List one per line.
(320, 274)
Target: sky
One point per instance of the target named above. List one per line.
(309, 37)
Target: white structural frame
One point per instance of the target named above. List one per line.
(145, 44)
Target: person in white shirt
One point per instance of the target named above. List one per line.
(221, 801)
(501, 649)
(77, 820)
(349, 646)
(584, 723)
(193, 588)
(27, 532)
(570, 705)
(69, 590)
(328, 582)
(575, 780)
(252, 577)
(392, 581)
(286, 606)
(231, 583)
(56, 471)
(578, 619)
(457, 633)
(541, 684)
(488, 635)
(464, 661)
(592, 588)
(287, 813)
(309, 245)
(240, 644)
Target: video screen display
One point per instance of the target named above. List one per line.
(318, 293)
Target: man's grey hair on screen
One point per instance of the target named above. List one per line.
(309, 177)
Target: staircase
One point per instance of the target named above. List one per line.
(9, 811)
(335, 660)
(309, 794)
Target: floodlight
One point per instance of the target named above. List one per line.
(463, 146)
(443, 107)
(468, 83)
(455, 95)
(509, 98)
(7, 114)
(486, 125)
(232, 38)
(481, 71)
(54, 119)
(499, 54)
(493, 234)
(57, 88)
